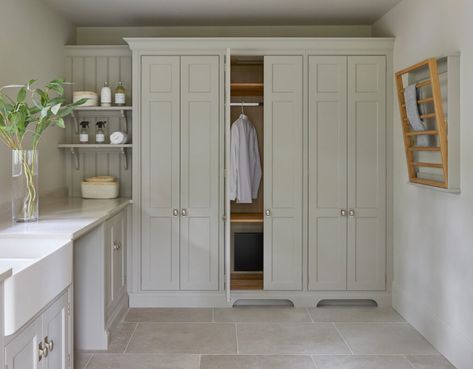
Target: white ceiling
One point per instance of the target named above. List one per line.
(221, 12)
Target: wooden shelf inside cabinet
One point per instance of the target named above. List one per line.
(246, 281)
(247, 89)
(121, 109)
(75, 147)
(247, 218)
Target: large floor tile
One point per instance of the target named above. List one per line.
(361, 362)
(120, 337)
(169, 315)
(430, 362)
(262, 314)
(143, 361)
(81, 359)
(385, 338)
(273, 338)
(256, 362)
(192, 338)
(354, 314)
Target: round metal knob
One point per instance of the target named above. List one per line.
(175, 212)
(267, 212)
(343, 213)
(116, 245)
(351, 213)
(184, 212)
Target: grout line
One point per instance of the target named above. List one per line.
(343, 338)
(313, 361)
(131, 337)
(236, 336)
(410, 364)
(213, 315)
(88, 361)
(310, 316)
(200, 361)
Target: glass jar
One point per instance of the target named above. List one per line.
(25, 195)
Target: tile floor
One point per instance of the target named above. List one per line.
(265, 338)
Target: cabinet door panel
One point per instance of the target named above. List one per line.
(22, 352)
(283, 172)
(199, 172)
(367, 172)
(327, 172)
(160, 113)
(56, 329)
(116, 259)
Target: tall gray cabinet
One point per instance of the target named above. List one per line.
(347, 173)
(180, 172)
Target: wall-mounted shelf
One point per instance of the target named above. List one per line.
(75, 147)
(247, 218)
(121, 109)
(247, 89)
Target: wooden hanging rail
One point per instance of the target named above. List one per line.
(441, 130)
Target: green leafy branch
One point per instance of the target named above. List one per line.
(33, 111)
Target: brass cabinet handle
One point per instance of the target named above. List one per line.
(42, 351)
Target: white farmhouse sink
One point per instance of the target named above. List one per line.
(42, 269)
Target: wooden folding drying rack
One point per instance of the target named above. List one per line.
(440, 130)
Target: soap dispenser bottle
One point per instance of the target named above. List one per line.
(99, 132)
(84, 132)
(106, 95)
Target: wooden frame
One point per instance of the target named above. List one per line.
(440, 131)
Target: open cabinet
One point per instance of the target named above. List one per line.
(263, 244)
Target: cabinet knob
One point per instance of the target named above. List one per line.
(351, 213)
(175, 212)
(184, 212)
(116, 245)
(49, 343)
(42, 351)
(343, 213)
(267, 212)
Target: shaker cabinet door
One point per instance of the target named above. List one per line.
(367, 172)
(160, 111)
(200, 100)
(327, 224)
(23, 351)
(283, 166)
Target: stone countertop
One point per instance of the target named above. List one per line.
(67, 217)
(5, 273)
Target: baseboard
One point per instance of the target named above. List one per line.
(456, 346)
(218, 298)
(118, 314)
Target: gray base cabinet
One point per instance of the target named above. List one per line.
(100, 281)
(45, 343)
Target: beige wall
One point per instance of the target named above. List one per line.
(31, 47)
(114, 35)
(433, 232)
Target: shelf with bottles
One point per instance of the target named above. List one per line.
(111, 109)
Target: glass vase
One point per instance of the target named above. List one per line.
(25, 201)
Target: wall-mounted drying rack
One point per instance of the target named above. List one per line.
(121, 109)
(74, 148)
(440, 130)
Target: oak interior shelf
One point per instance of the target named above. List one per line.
(247, 281)
(247, 89)
(247, 218)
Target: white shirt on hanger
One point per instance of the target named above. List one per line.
(245, 165)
